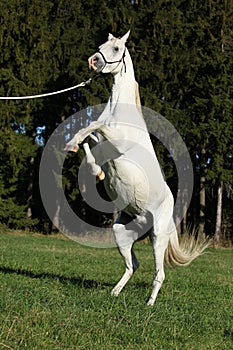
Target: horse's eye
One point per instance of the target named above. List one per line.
(116, 48)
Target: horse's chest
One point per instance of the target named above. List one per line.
(127, 185)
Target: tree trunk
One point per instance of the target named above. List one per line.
(30, 190)
(55, 223)
(217, 234)
(185, 208)
(202, 206)
(202, 195)
(56, 216)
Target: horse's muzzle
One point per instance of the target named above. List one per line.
(96, 62)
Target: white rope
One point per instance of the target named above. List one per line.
(48, 94)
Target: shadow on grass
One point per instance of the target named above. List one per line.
(78, 281)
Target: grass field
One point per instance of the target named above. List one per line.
(55, 294)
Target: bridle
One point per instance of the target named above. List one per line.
(112, 62)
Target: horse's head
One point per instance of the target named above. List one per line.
(111, 55)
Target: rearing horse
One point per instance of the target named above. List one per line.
(133, 177)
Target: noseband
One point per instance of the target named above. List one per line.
(112, 62)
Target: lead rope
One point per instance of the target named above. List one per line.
(82, 84)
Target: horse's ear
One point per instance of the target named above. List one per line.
(125, 37)
(110, 36)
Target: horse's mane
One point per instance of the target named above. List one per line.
(137, 98)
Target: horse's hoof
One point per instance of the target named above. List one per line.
(150, 302)
(115, 292)
(71, 149)
(75, 149)
(101, 175)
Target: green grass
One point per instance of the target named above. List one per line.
(55, 294)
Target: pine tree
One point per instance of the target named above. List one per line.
(184, 46)
(15, 154)
(182, 54)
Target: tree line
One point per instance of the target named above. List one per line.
(183, 58)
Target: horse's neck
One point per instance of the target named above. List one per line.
(123, 104)
(123, 89)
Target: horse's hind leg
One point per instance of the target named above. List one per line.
(125, 247)
(160, 239)
(159, 243)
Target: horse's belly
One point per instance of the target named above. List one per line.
(127, 185)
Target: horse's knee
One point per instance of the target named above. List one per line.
(117, 227)
(159, 277)
(129, 271)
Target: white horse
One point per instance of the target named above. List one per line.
(133, 177)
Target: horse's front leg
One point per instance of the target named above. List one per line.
(108, 132)
(73, 144)
(95, 168)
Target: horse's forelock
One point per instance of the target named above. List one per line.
(113, 41)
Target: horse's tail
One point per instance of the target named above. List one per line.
(184, 252)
